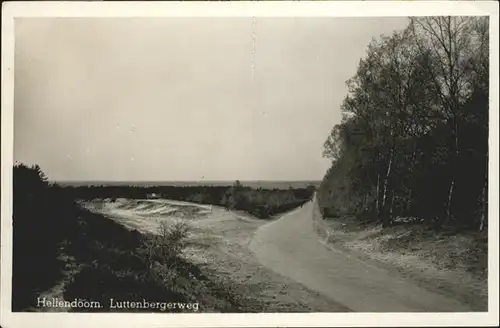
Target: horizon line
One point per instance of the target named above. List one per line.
(228, 180)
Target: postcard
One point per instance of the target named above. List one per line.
(249, 164)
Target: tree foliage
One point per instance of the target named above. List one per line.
(413, 140)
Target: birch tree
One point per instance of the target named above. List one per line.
(415, 126)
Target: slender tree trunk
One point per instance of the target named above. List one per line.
(386, 180)
(454, 165)
(408, 201)
(448, 203)
(378, 194)
(385, 214)
(392, 204)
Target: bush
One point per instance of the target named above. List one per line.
(167, 245)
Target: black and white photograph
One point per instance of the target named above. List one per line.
(250, 164)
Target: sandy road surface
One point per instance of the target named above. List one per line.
(290, 246)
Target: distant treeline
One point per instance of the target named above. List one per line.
(260, 202)
(413, 141)
(255, 184)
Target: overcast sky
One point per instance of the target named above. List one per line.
(183, 98)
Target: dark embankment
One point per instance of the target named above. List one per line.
(43, 219)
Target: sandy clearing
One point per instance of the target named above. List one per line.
(179, 203)
(219, 245)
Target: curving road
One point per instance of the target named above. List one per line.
(290, 246)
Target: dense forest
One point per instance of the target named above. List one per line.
(413, 140)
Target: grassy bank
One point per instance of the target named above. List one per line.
(451, 262)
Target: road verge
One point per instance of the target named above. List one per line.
(453, 265)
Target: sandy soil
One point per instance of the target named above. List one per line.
(218, 243)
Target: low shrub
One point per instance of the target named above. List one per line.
(167, 245)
